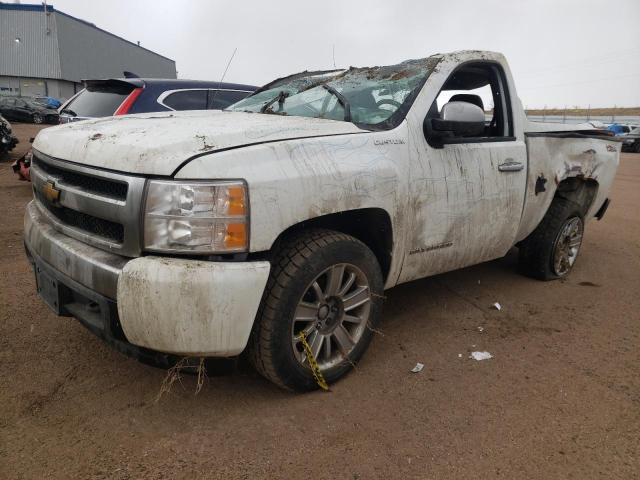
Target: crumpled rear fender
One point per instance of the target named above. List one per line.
(556, 158)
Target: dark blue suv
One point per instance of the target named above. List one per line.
(120, 96)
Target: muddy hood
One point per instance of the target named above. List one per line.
(158, 143)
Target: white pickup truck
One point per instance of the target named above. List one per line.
(278, 223)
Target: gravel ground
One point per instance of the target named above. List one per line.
(559, 399)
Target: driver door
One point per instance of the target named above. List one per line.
(466, 197)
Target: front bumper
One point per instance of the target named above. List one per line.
(160, 304)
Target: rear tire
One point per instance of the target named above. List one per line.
(37, 118)
(328, 284)
(551, 249)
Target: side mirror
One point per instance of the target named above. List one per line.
(457, 119)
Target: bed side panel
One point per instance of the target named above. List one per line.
(555, 158)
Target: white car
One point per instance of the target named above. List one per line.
(273, 228)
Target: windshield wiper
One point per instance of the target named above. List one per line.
(70, 112)
(280, 98)
(341, 100)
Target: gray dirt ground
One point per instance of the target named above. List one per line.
(560, 399)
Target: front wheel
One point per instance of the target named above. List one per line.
(37, 118)
(551, 250)
(327, 286)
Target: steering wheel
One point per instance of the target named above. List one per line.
(388, 101)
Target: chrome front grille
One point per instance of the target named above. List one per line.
(99, 186)
(105, 229)
(97, 207)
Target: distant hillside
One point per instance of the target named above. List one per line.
(583, 112)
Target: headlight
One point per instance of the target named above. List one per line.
(196, 217)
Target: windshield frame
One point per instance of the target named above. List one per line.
(391, 122)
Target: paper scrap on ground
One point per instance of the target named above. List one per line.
(497, 306)
(481, 329)
(480, 356)
(418, 368)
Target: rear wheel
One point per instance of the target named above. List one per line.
(326, 285)
(37, 118)
(551, 250)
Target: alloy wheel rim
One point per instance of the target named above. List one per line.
(567, 246)
(333, 314)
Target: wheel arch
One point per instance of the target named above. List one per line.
(372, 226)
(579, 190)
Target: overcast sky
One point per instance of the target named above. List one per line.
(562, 52)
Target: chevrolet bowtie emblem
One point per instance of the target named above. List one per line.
(50, 192)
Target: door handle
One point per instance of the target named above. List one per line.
(510, 166)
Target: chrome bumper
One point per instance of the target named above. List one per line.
(93, 268)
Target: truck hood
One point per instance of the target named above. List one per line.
(158, 143)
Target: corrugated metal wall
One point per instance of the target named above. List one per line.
(62, 47)
(36, 53)
(86, 52)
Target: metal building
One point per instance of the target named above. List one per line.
(44, 51)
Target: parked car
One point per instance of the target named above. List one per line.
(631, 141)
(119, 96)
(104, 98)
(22, 109)
(619, 129)
(273, 228)
(48, 102)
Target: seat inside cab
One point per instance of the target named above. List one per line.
(483, 85)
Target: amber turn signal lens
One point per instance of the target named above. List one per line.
(236, 236)
(237, 202)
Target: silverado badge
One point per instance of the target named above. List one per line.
(50, 192)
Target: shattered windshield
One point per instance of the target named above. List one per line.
(371, 97)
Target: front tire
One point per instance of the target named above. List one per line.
(551, 250)
(328, 285)
(37, 118)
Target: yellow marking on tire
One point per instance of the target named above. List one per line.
(315, 368)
